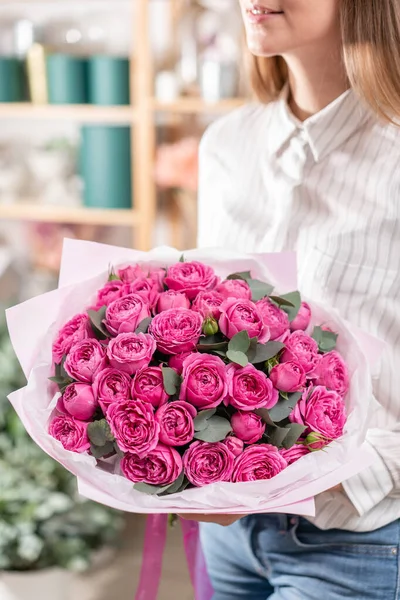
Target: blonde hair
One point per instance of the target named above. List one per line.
(371, 54)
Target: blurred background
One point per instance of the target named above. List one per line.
(102, 106)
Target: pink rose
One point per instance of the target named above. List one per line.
(250, 388)
(288, 377)
(161, 466)
(84, 360)
(206, 462)
(208, 304)
(134, 426)
(191, 278)
(205, 382)
(234, 445)
(332, 372)
(110, 292)
(77, 329)
(248, 427)
(176, 330)
(124, 314)
(70, 432)
(294, 453)
(234, 288)
(171, 299)
(322, 411)
(176, 361)
(275, 318)
(302, 348)
(148, 386)
(302, 319)
(79, 401)
(130, 273)
(176, 423)
(130, 352)
(259, 462)
(146, 288)
(239, 315)
(111, 385)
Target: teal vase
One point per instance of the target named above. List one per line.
(106, 166)
(67, 78)
(12, 80)
(108, 80)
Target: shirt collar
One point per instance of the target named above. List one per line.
(324, 131)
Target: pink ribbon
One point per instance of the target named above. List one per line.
(154, 544)
(155, 538)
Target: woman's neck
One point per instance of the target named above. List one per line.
(315, 83)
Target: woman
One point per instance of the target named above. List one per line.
(314, 167)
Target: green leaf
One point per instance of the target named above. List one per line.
(58, 380)
(238, 358)
(277, 435)
(96, 320)
(259, 289)
(143, 325)
(294, 299)
(217, 429)
(240, 342)
(175, 486)
(99, 433)
(202, 418)
(281, 301)
(263, 352)
(151, 490)
(118, 450)
(283, 409)
(295, 430)
(172, 520)
(172, 380)
(212, 342)
(264, 414)
(182, 259)
(244, 275)
(220, 353)
(326, 340)
(100, 451)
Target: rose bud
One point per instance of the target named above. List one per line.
(210, 326)
(79, 401)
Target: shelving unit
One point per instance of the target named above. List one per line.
(141, 116)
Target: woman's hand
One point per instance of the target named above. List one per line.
(224, 520)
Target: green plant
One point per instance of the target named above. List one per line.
(43, 521)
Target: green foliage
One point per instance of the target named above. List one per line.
(43, 521)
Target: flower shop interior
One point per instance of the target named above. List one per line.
(102, 107)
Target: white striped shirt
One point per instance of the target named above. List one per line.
(328, 188)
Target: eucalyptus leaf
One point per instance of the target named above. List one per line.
(283, 409)
(99, 433)
(263, 352)
(295, 299)
(217, 429)
(96, 318)
(243, 275)
(100, 451)
(118, 450)
(212, 342)
(201, 420)
(326, 340)
(175, 486)
(317, 334)
(182, 259)
(281, 301)
(151, 490)
(295, 431)
(259, 289)
(265, 415)
(277, 435)
(238, 358)
(171, 380)
(240, 342)
(143, 325)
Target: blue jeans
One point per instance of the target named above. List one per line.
(280, 557)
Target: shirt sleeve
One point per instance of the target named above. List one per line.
(367, 489)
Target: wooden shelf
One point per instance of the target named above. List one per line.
(57, 214)
(76, 112)
(197, 105)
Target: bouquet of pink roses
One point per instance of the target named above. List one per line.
(176, 385)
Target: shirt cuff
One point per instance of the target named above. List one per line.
(370, 487)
